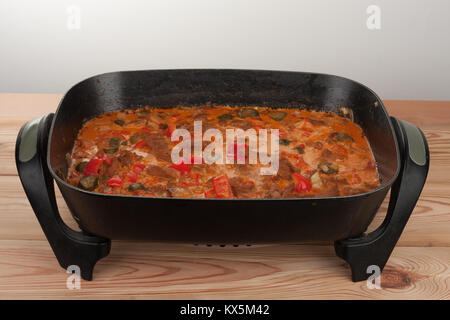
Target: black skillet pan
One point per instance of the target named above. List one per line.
(400, 150)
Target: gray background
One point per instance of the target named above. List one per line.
(408, 58)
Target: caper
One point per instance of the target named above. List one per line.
(114, 142)
(80, 166)
(88, 183)
(277, 115)
(225, 116)
(300, 149)
(327, 167)
(342, 137)
(135, 138)
(119, 122)
(247, 112)
(136, 186)
(110, 150)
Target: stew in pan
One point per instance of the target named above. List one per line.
(321, 154)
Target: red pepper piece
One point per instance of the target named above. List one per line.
(132, 176)
(307, 132)
(194, 160)
(222, 187)
(182, 167)
(140, 144)
(210, 193)
(171, 129)
(138, 167)
(146, 130)
(92, 166)
(302, 184)
(105, 158)
(115, 181)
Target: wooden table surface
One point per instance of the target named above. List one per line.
(417, 269)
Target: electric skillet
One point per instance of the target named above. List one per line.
(399, 147)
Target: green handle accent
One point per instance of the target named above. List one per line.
(28, 142)
(416, 145)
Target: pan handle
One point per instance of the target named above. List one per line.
(69, 246)
(374, 249)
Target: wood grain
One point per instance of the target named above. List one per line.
(136, 270)
(26, 105)
(418, 268)
(420, 112)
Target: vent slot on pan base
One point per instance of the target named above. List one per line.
(222, 245)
